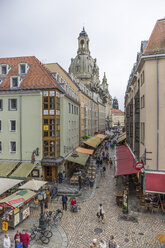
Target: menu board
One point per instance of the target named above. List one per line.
(26, 213)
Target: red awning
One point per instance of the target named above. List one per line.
(125, 161)
(155, 183)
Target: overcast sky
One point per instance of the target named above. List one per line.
(49, 30)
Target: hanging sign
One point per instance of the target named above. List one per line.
(139, 166)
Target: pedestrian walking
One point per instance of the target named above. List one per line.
(25, 239)
(17, 236)
(46, 210)
(6, 241)
(110, 162)
(60, 177)
(79, 182)
(112, 242)
(104, 170)
(64, 202)
(102, 244)
(94, 244)
(101, 213)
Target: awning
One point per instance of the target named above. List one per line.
(84, 150)
(121, 137)
(93, 142)
(155, 182)
(6, 168)
(102, 136)
(17, 199)
(23, 170)
(81, 158)
(7, 183)
(125, 161)
(33, 185)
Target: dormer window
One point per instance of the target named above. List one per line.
(14, 82)
(22, 68)
(4, 69)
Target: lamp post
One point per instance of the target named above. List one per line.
(41, 198)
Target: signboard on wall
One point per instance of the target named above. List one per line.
(26, 213)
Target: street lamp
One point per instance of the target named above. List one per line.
(41, 198)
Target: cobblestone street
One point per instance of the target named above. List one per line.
(77, 230)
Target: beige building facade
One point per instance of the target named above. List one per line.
(117, 118)
(144, 106)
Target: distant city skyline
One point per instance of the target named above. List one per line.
(49, 30)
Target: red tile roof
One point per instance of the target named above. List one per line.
(37, 77)
(156, 43)
(117, 112)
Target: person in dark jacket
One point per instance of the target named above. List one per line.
(25, 239)
(60, 177)
(79, 182)
(64, 202)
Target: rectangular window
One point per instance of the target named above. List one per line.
(46, 149)
(14, 82)
(22, 69)
(52, 149)
(69, 106)
(57, 148)
(0, 126)
(1, 104)
(57, 103)
(4, 69)
(72, 108)
(12, 126)
(12, 147)
(12, 104)
(0, 146)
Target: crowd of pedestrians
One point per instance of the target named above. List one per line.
(22, 240)
(102, 244)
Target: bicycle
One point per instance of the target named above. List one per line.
(38, 234)
(54, 217)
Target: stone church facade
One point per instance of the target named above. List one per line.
(86, 70)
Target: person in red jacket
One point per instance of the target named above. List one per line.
(17, 236)
(25, 239)
(74, 205)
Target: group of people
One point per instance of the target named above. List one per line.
(102, 244)
(73, 203)
(22, 240)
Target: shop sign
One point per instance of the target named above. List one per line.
(26, 213)
(16, 219)
(46, 127)
(5, 205)
(139, 166)
(5, 226)
(16, 201)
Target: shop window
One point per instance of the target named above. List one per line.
(48, 171)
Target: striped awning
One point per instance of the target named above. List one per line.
(78, 158)
(6, 168)
(23, 170)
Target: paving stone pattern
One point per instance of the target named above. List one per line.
(77, 230)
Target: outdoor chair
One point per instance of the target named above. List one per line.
(155, 208)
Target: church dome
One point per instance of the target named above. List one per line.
(83, 66)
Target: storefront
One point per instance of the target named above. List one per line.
(50, 168)
(16, 207)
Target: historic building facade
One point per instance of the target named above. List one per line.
(144, 106)
(29, 116)
(86, 70)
